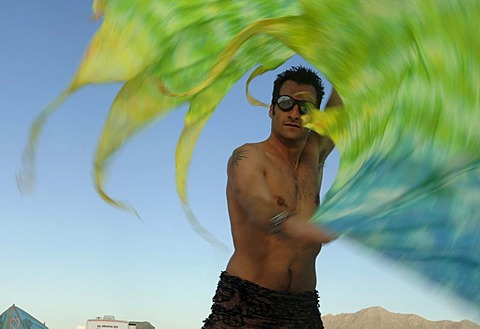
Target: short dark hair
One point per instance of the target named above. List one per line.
(300, 75)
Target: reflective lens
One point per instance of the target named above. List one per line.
(286, 103)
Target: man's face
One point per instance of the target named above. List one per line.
(288, 125)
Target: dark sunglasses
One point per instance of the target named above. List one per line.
(286, 104)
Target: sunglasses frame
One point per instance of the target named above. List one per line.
(300, 103)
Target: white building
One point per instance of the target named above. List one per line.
(109, 322)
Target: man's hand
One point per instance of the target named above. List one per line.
(306, 233)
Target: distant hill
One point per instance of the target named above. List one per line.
(379, 318)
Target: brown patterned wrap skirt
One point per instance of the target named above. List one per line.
(243, 304)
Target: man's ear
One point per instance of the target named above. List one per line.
(271, 113)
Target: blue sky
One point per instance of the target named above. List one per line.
(67, 256)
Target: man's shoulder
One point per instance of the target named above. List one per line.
(249, 147)
(252, 152)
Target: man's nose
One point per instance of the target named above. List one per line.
(295, 111)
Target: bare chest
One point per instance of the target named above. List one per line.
(295, 188)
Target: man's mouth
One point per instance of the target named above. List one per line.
(292, 125)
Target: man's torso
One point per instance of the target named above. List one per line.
(273, 261)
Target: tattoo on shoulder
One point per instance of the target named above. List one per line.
(237, 155)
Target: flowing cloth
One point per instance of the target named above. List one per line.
(407, 71)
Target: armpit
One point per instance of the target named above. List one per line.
(321, 164)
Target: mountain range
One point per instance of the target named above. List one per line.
(380, 318)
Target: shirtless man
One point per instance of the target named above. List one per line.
(273, 189)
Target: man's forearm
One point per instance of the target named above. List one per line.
(334, 99)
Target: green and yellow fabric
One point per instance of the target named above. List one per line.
(408, 72)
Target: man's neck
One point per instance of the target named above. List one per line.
(291, 151)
